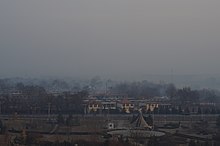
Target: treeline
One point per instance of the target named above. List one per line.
(145, 89)
(35, 100)
(60, 85)
(138, 89)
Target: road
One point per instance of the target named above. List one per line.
(158, 118)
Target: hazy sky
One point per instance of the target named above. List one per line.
(109, 37)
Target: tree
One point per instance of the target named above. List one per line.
(186, 95)
(95, 82)
(180, 110)
(218, 122)
(171, 91)
(60, 119)
(186, 111)
(2, 127)
(199, 110)
(69, 120)
(20, 86)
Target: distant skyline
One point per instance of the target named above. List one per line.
(114, 39)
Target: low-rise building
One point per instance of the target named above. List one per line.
(125, 106)
(94, 106)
